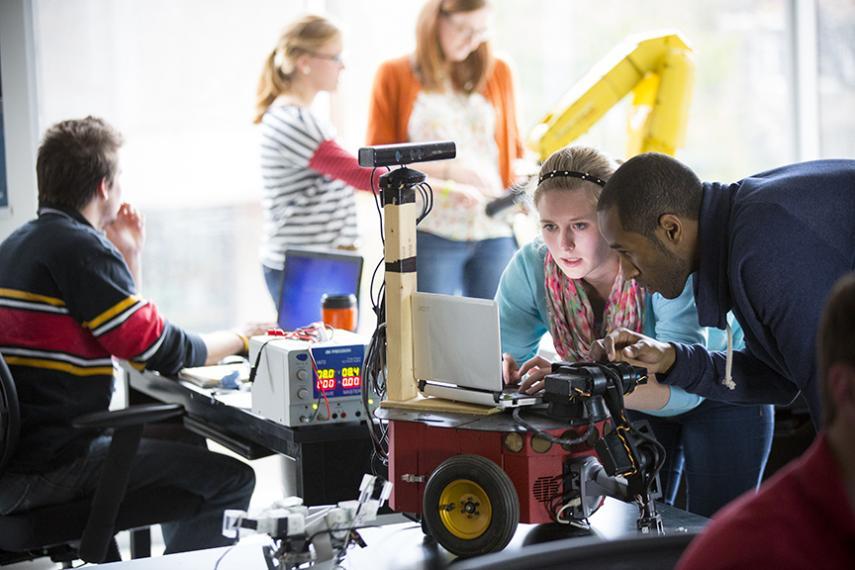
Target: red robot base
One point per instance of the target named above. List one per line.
(472, 479)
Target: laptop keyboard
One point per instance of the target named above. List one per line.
(513, 393)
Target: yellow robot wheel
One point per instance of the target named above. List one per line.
(470, 506)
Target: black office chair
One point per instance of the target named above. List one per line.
(649, 552)
(84, 528)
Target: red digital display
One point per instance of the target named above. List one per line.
(351, 382)
(332, 382)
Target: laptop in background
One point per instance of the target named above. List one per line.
(308, 274)
(458, 352)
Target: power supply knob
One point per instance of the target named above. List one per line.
(302, 375)
(302, 393)
(304, 419)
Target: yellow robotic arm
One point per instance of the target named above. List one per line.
(658, 70)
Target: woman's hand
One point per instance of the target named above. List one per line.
(467, 196)
(650, 396)
(472, 178)
(532, 374)
(510, 370)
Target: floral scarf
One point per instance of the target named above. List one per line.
(571, 318)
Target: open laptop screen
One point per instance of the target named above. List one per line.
(308, 275)
(456, 341)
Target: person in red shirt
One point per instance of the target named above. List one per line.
(804, 517)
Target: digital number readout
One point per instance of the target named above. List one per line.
(350, 377)
(338, 371)
(328, 379)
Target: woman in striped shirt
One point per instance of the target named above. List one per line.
(308, 196)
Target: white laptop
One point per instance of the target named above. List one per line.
(458, 353)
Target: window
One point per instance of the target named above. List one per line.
(179, 78)
(836, 39)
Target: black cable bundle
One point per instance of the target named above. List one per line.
(374, 369)
(551, 438)
(657, 448)
(374, 366)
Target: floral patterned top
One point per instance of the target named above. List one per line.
(468, 120)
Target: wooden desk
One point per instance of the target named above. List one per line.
(331, 459)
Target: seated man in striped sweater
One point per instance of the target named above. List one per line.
(68, 304)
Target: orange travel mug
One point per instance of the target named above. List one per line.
(339, 311)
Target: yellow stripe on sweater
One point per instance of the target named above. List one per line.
(25, 296)
(111, 312)
(61, 366)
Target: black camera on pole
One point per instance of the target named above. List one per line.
(401, 154)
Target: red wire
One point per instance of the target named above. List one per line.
(327, 402)
(317, 379)
(310, 334)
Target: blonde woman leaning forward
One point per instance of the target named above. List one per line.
(569, 283)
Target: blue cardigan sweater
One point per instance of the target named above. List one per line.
(770, 247)
(524, 318)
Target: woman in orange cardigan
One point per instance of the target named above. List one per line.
(452, 87)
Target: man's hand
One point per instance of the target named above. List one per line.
(624, 345)
(236, 341)
(532, 374)
(127, 231)
(252, 329)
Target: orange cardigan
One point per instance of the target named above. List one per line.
(394, 94)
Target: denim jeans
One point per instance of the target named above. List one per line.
(722, 448)
(469, 268)
(221, 481)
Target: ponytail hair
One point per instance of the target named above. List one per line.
(306, 35)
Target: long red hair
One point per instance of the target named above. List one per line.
(432, 68)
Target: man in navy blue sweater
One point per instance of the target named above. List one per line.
(69, 303)
(768, 247)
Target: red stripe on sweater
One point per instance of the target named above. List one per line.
(333, 161)
(136, 334)
(47, 331)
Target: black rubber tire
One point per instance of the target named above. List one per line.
(425, 529)
(500, 490)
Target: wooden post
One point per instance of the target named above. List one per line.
(399, 213)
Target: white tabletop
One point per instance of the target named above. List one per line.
(396, 545)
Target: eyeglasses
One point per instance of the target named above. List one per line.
(337, 58)
(471, 34)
